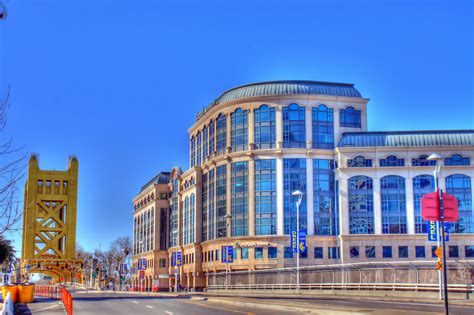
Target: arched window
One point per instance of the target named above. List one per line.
(221, 136)
(191, 218)
(211, 138)
(204, 144)
(460, 186)
(359, 161)
(361, 205)
(422, 160)
(392, 161)
(193, 151)
(239, 130)
(349, 117)
(264, 127)
(394, 208)
(186, 221)
(198, 148)
(422, 184)
(294, 130)
(457, 159)
(323, 127)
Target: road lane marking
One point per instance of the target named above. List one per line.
(135, 302)
(170, 313)
(149, 306)
(220, 308)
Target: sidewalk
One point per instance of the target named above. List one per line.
(41, 306)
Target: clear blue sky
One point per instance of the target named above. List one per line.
(118, 83)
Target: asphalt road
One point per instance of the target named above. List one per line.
(105, 303)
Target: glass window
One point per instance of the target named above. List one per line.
(325, 217)
(370, 251)
(323, 127)
(205, 143)
(185, 226)
(387, 251)
(198, 148)
(221, 134)
(422, 160)
(333, 253)
(217, 255)
(244, 253)
(265, 197)
(469, 251)
(433, 250)
(453, 251)
(258, 252)
(394, 210)
(304, 254)
(239, 198)
(361, 205)
(422, 184)
(420, 251)
(204, 220)
(239, 128)
(318, 252)
(193, 151)
(392, 161)
(294, 178)
(234, 253)
(402, 251)
(288, 253)
(349, 117)
(211, 203)
(264, 127)
(457, 159)
(211, 138)
(162, 263)
(272, 252)
(354, 251)
(191, 218)
(221, 188)
(294, 130)
(359, 161)
(460, 186)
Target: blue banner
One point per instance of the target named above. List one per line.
(293, 242)
(123, 269)
(173, 259)
(141, 264)
(179, 260)
(302, 241)
(434, 234)
(227, 256)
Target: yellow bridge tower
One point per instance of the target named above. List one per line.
(49, 222)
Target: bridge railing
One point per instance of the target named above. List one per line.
(56, 293)
(396, 276)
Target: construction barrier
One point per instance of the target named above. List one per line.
(13, 292)
(57, 293)
(67, 300)
(25, 293)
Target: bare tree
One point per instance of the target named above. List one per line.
(12, 170)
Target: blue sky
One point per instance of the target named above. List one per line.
(118, 83)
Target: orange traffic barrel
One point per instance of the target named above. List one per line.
(26, 293)
(13, 292)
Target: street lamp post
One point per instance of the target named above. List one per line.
(299, 194)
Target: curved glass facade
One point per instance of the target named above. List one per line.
(361, 205)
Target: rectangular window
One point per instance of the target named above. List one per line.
(211, 203)
(469, 251)
(402, 251)
(163, 231)
(370, 251)
(244, 253)
(354, 251)
(163, 196)
(40, 187)
(239, 128)
(234, 253)
(323, 127)
(433, 250)
(162, 263)
(304, 254)
(65, 187)
(350, 117)
(318, 252)
(453, 251)
(264, 127)
(258, 252)
(325, 218)
(387, 251)
(333, 253)
(56, 187)
(204, 220)
(294, 178)
(239, 198)
(272, 252)
(48, 186)
(294, 129)
(265, 197)
(217, 255)
(288, 253)
(420, 251)
(221, 195)
(221, 134)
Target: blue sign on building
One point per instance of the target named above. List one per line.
(293, 242)
(123, 269)
(176, 259)
(434, 233)
(179, 260)
(227, 255)
(142, 264)
(302, 241)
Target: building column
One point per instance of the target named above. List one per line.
(251, 199)
(308, 127)
(228, 134)
(229, 197)
(279, 127)
(280, 197)
(377, 206)
(410, 205)
(309, 196)
(250, 129)
(343, 206)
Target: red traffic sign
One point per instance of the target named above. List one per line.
(430, 207)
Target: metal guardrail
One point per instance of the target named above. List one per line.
(56, 293)
(394, 276)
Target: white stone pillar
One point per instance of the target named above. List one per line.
(410, 205)
(310, 196)
(279, 127)
(279, 187)
(308, 129)
(377, 206)
(343, 206)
